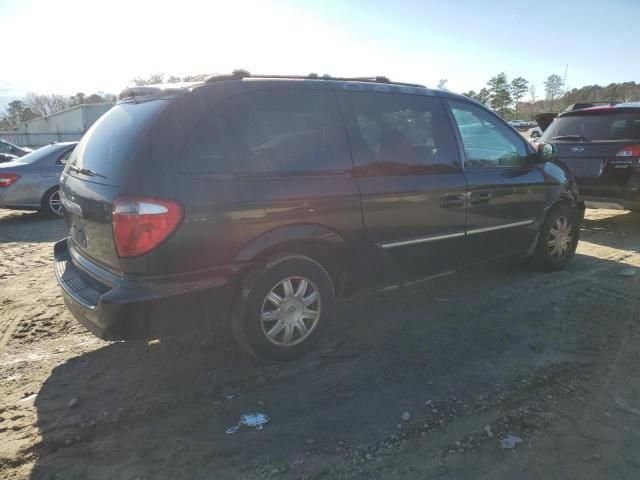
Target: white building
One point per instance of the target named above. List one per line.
(64, 126)
(76, 119)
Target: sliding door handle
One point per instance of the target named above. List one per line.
(476, 198)
(452, 200)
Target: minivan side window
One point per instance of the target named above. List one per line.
(398, 134)
(487, 142)
(268, 131)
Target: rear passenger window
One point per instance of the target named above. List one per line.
(269, 132)
(398, 134)
(488, 143)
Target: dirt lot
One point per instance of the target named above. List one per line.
(418, 382)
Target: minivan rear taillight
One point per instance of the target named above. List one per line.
(7, 179)
(630, 151)
(141, 224)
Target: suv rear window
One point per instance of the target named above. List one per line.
(269, 132)
(109, 144)
(595, 126)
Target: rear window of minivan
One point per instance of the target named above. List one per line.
(110, 143)
(594, 126)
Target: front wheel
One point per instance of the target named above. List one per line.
(558, 239)
(51, 203)
(284, 308)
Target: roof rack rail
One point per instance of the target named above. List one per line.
(583, 105)
(240, 74)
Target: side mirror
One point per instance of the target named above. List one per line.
(546, 152)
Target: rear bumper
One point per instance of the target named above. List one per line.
(625, 197)
(19, 198)
(115, 308)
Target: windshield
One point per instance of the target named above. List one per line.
(39, 154)
(593, 127)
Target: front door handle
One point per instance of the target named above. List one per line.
(476, 198)
(452, 200)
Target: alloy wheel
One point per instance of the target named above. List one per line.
(55, 203)
(560, 237)
(290, 311)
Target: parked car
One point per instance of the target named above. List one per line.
(262, 199)
(535, 132)
(519, 124)
(11, 149)
(31, 182)
(601, 146)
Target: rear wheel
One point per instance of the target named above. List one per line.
(51, 203)
(558, 239)
(284, 308)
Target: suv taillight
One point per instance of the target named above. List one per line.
(7, 179)
(141, 224)
(630, 151)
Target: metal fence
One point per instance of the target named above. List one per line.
(35, 140)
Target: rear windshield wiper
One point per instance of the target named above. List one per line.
(85, 171)
(575, 138)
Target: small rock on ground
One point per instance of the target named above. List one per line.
(509, 442)
(628, 272)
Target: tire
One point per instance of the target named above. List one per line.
(270, 322)
(565, 220)
(51, 205)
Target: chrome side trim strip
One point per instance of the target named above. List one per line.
(499, 227)
(413, 241)
(435, 238)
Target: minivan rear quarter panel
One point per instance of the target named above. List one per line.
(224, 213)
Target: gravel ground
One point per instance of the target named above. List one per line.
(495, 372)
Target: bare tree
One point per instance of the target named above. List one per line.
(153, 79)
(553, 87)
(45, 105)
(532, 92)
(16, 113)
(442, 84)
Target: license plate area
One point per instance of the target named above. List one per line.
(585, 167)
(77, 230)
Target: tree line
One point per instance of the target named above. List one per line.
(510, 99)
(518, 98)
(35, 105)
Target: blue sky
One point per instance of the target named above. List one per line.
(83, 45)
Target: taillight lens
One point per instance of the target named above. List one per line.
(7, 179)
(141, 224)
(630, 151)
